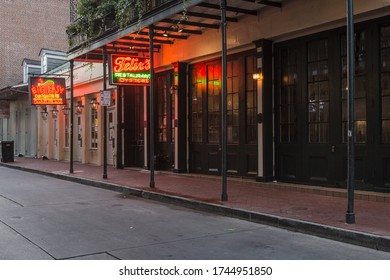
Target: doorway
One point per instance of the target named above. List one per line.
(164, 121)
(205, 116)
(134, 145)
(111, 154)
(79, 138)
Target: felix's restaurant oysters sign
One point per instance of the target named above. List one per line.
(47, 91)
(129, 70)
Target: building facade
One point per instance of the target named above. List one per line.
(26, 29)
(285, 91)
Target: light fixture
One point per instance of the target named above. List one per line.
(79, 107)
(65, 110)
(54, 111)
(165, 34)
(44, 113)
(94, 103)
(173, 89)
(258, 75)
(177, 28)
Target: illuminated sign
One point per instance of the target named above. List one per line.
(47, 91)
(129, 70)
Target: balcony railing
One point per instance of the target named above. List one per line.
(85, 30)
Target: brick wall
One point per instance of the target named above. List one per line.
(25, 28)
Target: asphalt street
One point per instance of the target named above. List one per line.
(46, 218)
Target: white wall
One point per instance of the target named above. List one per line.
(295, 18)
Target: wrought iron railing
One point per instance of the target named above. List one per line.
(83, 31)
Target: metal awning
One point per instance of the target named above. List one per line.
(170, 24)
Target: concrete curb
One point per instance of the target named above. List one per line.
(363, 239)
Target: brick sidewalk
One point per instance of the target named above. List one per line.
(319, 205)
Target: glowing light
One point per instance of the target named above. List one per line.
(47, 91)
(129, 70)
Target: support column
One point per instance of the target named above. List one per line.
(119, 127)
(71, 144)
(350, 215)
(104, 115)
(151, 108)
(265, 133)
(180, 90)
(224, 195)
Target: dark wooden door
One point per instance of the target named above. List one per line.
(165, 121)
(306, 133)
(205, 116)
(134, 126)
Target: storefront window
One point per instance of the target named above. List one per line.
(196, 104)
(213, 98)
(172, 117)
(360, 88)
(251, 100)
(232, 101)
(94, 128)
(66, 131)
(288, 96)
(385, 83)
(318, 91)
(162, 109)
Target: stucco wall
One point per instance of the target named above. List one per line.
(295, 18)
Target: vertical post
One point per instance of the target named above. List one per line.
(224, 196)
(104, 115)
(151, 108)
(71, 118)
(119, 105)
(350, 216)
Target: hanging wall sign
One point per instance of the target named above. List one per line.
(47, 91)
(129, 70)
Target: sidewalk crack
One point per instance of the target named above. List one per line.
(11, 200)
(26, 238)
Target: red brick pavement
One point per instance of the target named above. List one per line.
(320, 205)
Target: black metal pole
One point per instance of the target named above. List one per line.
(151, 108)
(71, 118)
(224, 196)
(119, 164)
(104, 115)
(350, 216)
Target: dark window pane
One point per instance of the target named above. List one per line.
(360, 88)
(313, 133)
(284, 133)
(386, 107)
(198, 82)
(386, 131)
(360, 131)
(385, 83)
(318, 92)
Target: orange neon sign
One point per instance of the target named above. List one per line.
(47, 91)
(129, 70)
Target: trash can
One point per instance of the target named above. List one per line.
(7, 151)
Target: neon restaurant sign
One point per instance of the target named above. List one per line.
(129, 70)
(47, 91)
